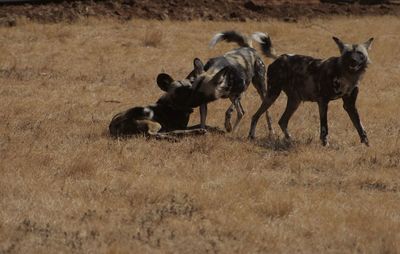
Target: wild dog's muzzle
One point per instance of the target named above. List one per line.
(357, 61)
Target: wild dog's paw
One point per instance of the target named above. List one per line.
(215, 130)
(271, 133)
(200, 131)
(228, 126)
(251, 137)
(162, 136)
(288, 137)
(287, 140)
(324, 142)
(364, 140)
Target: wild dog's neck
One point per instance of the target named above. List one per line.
(177, 105)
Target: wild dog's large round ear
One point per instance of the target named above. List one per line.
(339, 43)
(198, 65)
(368, 43)
(164, 81)
(198, 68)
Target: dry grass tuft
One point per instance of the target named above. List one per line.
(152, 38)
(275, 208)
(81, 167)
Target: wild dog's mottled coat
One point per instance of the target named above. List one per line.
(305, 78)
(169, 116)
(228, 76)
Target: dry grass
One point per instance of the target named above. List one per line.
(152, 38)
(67, 187)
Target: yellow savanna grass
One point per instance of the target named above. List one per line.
(65, 186)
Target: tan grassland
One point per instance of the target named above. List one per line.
(67, 187)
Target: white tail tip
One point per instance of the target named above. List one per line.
(259, 37)
(215, 40)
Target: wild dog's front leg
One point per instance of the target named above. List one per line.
(211, 129)
(191, 132)
(323, 117)
(203, 115)
(349, 104)
(173, 136)
(163, 136)
(153, 129)
(228, 117)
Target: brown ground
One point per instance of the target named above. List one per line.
(67, 187)
(234, 10)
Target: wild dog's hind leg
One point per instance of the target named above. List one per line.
(291, 106)
(267, 102)
(228, 117)
(349, 104)
(259, 83)
(323, 117)
(239, 111)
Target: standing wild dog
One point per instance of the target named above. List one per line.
(228, 76)
(167, 118)
(304, 78)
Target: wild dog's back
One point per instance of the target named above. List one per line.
(297, 75)
(228, 76)
(309, 77)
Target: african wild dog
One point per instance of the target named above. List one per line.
(166, 119)
(305, 78)
(228, 76)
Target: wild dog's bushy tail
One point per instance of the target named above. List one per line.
(230, 36)
(266, 44)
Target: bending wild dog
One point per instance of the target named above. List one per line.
(228, 76)
(305, 78)
(167, 118)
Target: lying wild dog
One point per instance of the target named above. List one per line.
(305, 78)
(228, 76)
(167, 118)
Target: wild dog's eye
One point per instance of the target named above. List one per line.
(359, 55)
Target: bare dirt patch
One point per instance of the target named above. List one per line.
(218, 10)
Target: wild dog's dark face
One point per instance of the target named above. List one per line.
(179, 92)
(354, 57)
